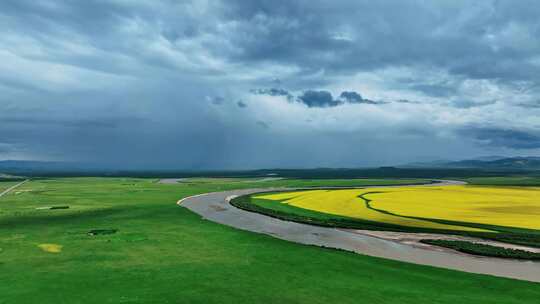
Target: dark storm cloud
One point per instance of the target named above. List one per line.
(281, 31)
(471, 39)
(389, 33)
(154, 83)
(354, 97)
(351, 97)
(270, 92)
(319, 99)
(323, 99)
(273, 92)
(508, 138)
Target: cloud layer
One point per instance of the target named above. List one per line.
(246, 84)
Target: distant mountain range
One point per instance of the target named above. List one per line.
(489, 162)
(25, 167)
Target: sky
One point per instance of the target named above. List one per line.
(266, 84)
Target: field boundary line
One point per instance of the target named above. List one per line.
(13, 187)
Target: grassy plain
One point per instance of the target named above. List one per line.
(167, 254)
(523, 181)
(5, 185)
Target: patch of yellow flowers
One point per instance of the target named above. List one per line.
(51, 248)
(500, 206)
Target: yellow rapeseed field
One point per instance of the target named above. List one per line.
(345, 202)
(501, 206)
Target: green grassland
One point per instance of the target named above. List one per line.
(5, 185)
(506, 181)
(162, 253)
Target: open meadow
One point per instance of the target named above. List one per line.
(6, 185)
(127, 239)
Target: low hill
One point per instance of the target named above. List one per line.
(507, 163)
